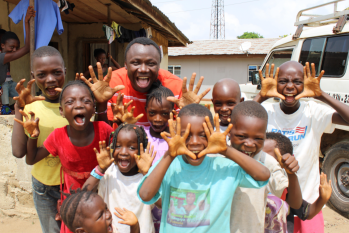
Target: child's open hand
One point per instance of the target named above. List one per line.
(145, 159)
(189, 97)
(127, 117)
(325, 189)
(287, 162)
(128, 216)
(269, 83)
(311, 84)
(217, 141)
(119, 107)
(30, 125)
(24, 94)
(176, 142)
(103, 156)
(100, 88)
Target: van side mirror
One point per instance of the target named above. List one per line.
(255, 79)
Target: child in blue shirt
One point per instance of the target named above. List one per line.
(204, 186)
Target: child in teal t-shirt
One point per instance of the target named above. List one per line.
(197, 191)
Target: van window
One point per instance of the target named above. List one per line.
(312, 52)
(335, 56)
(278, 57)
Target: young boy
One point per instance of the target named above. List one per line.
(250, 121)
(10, 51)
(186, 170)
(302, 122)
(307, 210)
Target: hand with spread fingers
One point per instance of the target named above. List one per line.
(100, 88)
(287, 162)
(217, 141)
(30, 125)
(118, 107)
(311, 84)
(145, 159)
(24, 94)
(128, 117)
(103, 156)
(189, 96)
(176, 142)
(128, 217)
(325, 189)
(269, 83)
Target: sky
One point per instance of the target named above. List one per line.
(270, 18)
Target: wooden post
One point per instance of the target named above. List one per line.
(109, 45)
(32, 40)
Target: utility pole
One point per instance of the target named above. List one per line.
(217, 25)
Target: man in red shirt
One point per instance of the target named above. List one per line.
(142, 69)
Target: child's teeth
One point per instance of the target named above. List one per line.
(289, 94)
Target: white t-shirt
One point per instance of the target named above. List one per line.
(248, 206)
(304, 128)
(120, 191)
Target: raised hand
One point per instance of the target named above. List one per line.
(189, 96)
(30, 125)
(217, 141)
(176, 142)
(30, 13)
(100, 88)
(24, 96)
(128, 217)
(269, 83)
(145, 159)
(118, 107)
(103, 156)
(287, 162)
(311, 84)
(325, 189)
(128, 117)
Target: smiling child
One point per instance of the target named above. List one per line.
(186, 169)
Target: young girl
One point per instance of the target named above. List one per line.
(117, 182)
(73, 143)
(85, 211)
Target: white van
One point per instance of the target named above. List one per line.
(326, 44)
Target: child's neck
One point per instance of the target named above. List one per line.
(83, 137)
(132, 172)
(156, 134)
(52, 101)
(289, 110)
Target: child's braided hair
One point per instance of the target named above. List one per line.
(70, 212)
(141, 135)
(158, 92)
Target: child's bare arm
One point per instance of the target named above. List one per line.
(104, 161)
(116, 64)
(129, 218)
(325, 191)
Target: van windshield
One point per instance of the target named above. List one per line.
(278, 57)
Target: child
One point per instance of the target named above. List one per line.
(307, 210)
(85, 211)
(10, 51)
(49, 72)
(302, 122)
(185, 168)
(250, 121)
(226, 95)
(101, 56)
(117, 182)
(73, 144)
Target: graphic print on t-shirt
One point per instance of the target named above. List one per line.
(293, 134)
(189, 208)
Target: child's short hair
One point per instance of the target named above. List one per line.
(141, 135)
(47, 51)
(196, 110)
(70, 211)
(2, 32)
(282, 142)
(249, 109)
(7, 36)
(98, 51)
(158, 92)
(76, 83)
(142, 41)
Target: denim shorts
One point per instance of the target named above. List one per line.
(9, 90)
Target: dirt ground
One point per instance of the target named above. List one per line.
(334, 223)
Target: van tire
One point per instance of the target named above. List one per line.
(336, 164)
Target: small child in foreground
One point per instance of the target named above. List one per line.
(201, 186)
(307, 210)
(85, 212)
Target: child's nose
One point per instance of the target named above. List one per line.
(249, 143)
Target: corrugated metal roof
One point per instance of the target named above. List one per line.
(223, 47)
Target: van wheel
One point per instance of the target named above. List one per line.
(336, 167)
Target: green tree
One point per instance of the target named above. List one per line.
(250, 35)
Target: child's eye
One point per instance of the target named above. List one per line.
(132, 148)
(151, 113)
(166, 114)
(231, 103)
